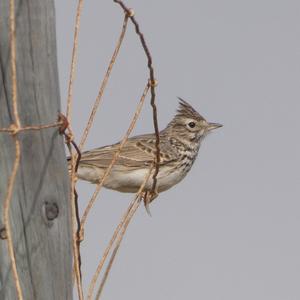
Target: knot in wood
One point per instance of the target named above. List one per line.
(51, 210)
(3, 233)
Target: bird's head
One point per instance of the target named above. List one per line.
(189, 124)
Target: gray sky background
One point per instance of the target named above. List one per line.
(230, 230)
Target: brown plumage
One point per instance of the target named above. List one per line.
(179, 145)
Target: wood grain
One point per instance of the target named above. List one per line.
(42, 244)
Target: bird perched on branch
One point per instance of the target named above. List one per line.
(179, 145)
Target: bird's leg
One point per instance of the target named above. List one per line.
(148, 197)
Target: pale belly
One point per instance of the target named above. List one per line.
(130, 182)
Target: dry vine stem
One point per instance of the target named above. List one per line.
(125, 219)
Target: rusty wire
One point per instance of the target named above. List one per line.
(73, 61)
(6, 220)
(74, 222)
(118, 242)
(123, 224)
(129, 13)
(65, 130)
(75, 218)
(16, 128)
(153, 84)
(104, 83)
(13, 129)
(114, 159)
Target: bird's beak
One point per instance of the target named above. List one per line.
(212, 126)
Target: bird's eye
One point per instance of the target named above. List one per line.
(192, 124)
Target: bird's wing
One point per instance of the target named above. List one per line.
(139, 151)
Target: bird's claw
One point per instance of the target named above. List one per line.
(148, 197)
(147, 207)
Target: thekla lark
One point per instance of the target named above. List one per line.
(179, 146)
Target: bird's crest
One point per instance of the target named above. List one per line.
(186, 110)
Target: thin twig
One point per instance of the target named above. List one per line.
(115, 235)
(115, 157)
(104, 83)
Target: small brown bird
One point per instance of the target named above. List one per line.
(179, 145)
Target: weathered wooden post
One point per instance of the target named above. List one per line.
(40, 210)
